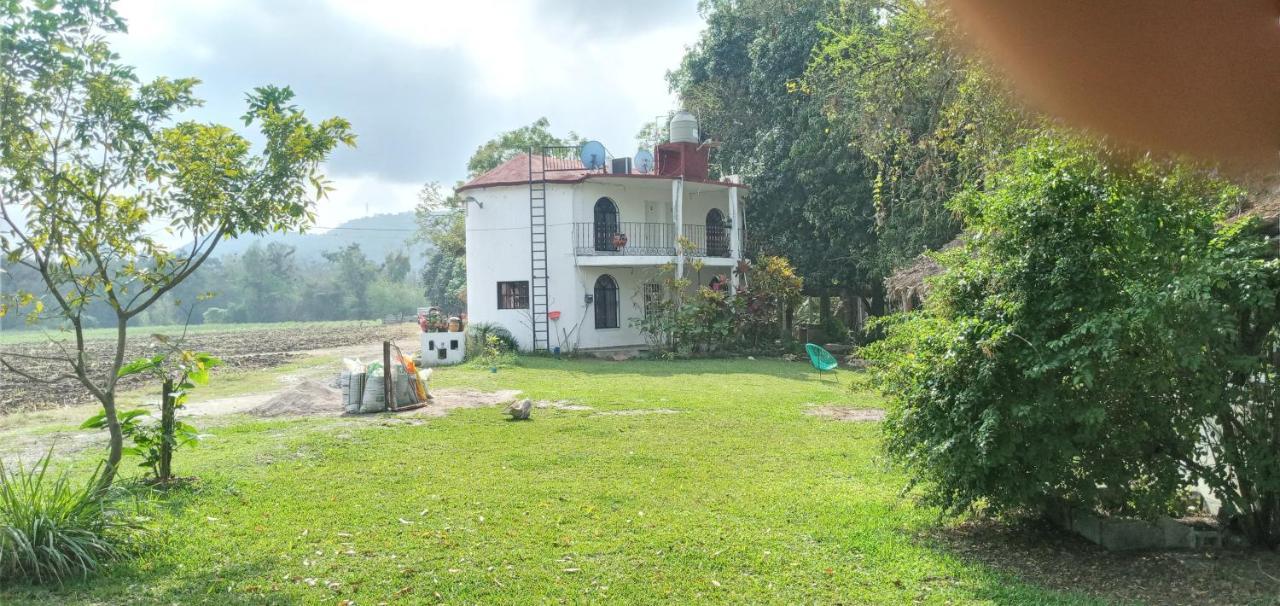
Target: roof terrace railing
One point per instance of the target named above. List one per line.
(647, 239)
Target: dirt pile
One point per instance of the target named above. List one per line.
(444, 400)
(844, 413)
(305, 399)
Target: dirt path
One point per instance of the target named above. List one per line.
(25, 436)
(245, 349)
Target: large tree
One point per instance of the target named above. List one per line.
(852, 120)
(107, 199)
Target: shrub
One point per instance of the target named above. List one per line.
(772, 287)
(52, 529)
(478, 334)
(833, 330)
(1099, 335)
(711, 319)
(492, 353)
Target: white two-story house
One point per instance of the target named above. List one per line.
(567, 257)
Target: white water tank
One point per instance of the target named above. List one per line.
(684, 128)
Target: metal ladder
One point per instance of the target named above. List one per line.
(538, 294)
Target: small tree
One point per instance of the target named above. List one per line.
(772, 288)
(179, 371)
(96, 181)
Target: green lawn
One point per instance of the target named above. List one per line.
(738, 498)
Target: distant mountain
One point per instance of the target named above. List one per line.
(376, 235)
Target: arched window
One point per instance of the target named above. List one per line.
(606, 224)
(606, 302)
(717, 234)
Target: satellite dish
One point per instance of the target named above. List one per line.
(644, 161)
(593, 155)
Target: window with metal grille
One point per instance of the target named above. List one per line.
(513, 295)
(606, 301)
(652, 300)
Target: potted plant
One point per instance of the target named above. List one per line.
(619, 240)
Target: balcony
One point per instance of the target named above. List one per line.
(648, 240)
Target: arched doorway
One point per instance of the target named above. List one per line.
(717, 234)
(606, 302)
(605, 224)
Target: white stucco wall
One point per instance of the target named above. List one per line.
(498, 251)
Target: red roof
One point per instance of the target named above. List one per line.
(516, 172)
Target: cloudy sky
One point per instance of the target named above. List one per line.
(423, 82)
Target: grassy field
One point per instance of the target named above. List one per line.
(685, 482)
(10, 336)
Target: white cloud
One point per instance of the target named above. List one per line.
(424, 82)
(363, 195)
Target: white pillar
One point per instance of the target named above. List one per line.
(735, 231)
(677, 211)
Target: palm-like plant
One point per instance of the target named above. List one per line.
(53, 528)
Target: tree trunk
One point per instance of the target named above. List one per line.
(788, 319)
(850, 306)
(115, 449)
(167, 439)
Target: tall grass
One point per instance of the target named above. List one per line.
(53, 529)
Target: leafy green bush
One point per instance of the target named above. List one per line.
(478, 334)
(53, 529)
(833, 330)
(685, 321)
(1103, 338)
(772, 287)
(493, 353)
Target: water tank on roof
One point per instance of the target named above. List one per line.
(684, 128)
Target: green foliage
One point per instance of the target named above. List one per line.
(492, 353)
(442, 223)
(1098, 323)
(927, 119)
(479, 335)
(853, 121)
(354, 273)
(833, 330)
(156, 438)
(772, 287)
(54, 529)
(92, 160)
(507, 145)
(146, 434)
(686, 320)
